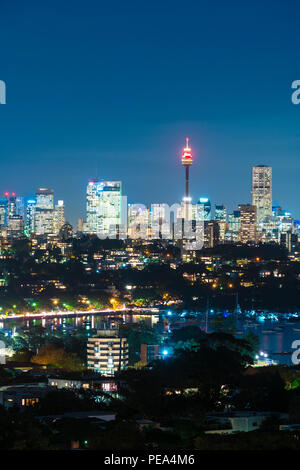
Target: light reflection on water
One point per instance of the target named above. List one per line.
(95, 321)
(276, 336)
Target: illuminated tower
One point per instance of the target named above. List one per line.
(187, 160)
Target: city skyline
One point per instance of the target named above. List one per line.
(118, 102)
(230, 206)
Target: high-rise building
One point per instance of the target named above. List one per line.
(3, 212)
(15, 226)
(59, 216)
(110, 207)
(44, 212)
(211, 233)
(107, 352)
(206, 207)
(80, 225)
(220, 213)
(20, 206)
(222, 229)
(234, 221)
(30, 216)
(103, 207)
(138, 221)
(160, 221)
(248, 223)
(92, 206)
(11, 205)
(262, 193)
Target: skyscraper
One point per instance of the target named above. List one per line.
(160, 221)
(138, 221)
(206, 207)
(103, 207)
(3, 211)
(20, 206)
(92, 206)
(110, 207)
(262, 193)
(12, 205)
(15, 226)
(234, 221)
(59, 216)
(220, 213)
(248, 223)
(44, 212)
(30, 215)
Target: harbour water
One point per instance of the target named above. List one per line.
(276, 332)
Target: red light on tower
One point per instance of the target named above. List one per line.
(187, 157)
(187, 160)
(6, 194)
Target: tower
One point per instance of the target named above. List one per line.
(187, 160)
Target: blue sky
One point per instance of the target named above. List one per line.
(115, 87)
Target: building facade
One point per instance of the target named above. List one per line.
(107, 352)
(44, 212)
(248, 223)
(262, 193)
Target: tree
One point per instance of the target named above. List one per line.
(55, 356)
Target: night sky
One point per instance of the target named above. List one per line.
(114, 87)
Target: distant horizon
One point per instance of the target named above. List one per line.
(114, 89)
(230, 207)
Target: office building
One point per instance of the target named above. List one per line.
(234, 221)
(220, 213)
(160, 221)
(262, 193)
(138, 221)
(3, 211)
(104, 207)
(15, 226)
(30, 216)
(211, 233)
(44, 212)
(206, 205)
(248, 223)
(59, 216)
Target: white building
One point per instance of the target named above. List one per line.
(107, 352)
(262, 193)
(44, 212)
(59, 216)
(30, 215)
(103, 207)
(138, 221)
